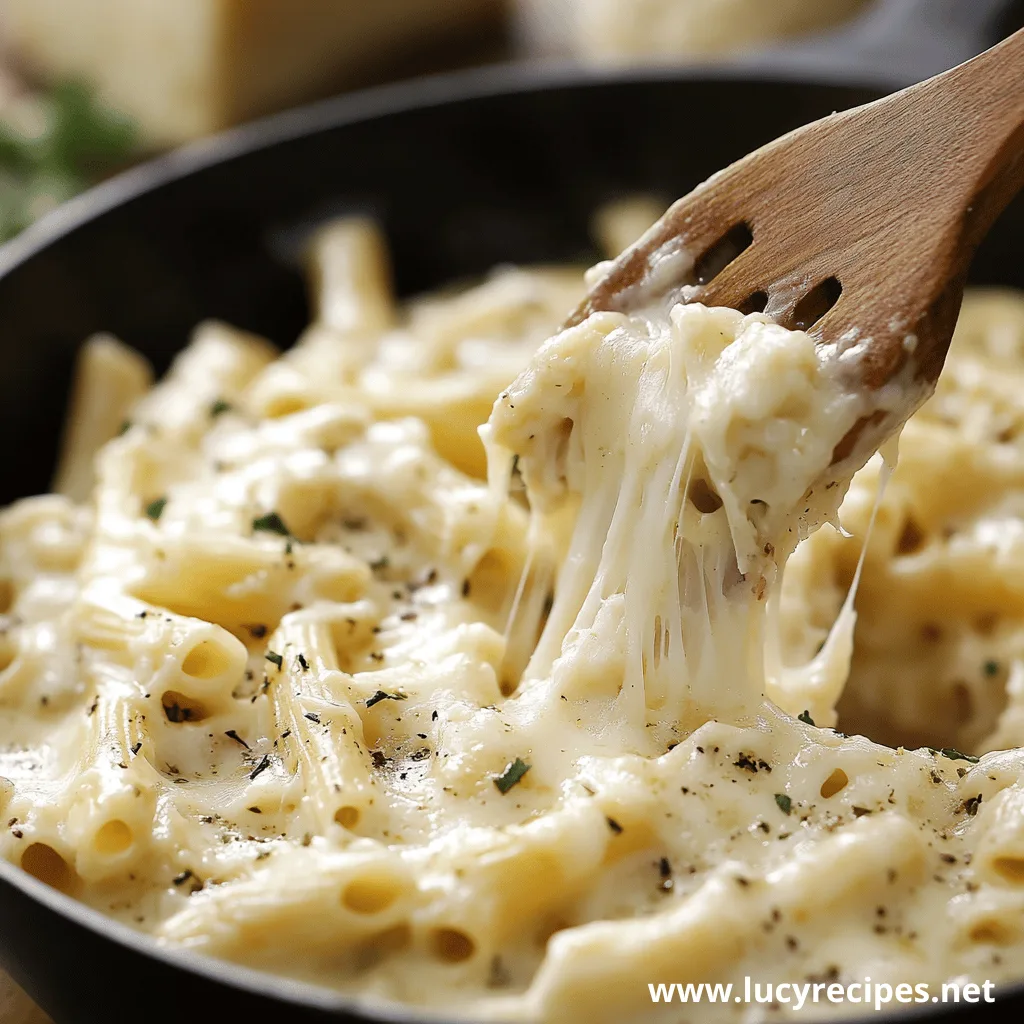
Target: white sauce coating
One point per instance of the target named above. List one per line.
(295, 691)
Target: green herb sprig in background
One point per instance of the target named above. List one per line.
(64, 142)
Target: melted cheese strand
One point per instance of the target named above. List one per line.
(619, 411)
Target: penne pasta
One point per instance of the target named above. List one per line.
(326, 742)
(110, 378)
(350, 277)
(456, 660)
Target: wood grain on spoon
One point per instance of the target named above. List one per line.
(858, 228)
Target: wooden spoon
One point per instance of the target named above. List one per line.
(858, 228)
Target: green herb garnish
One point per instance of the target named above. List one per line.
(381, 695)
(219, 407)
(124, 428)
(954, 755)
(274, 658)
(79, 143)
(155, 509)
(991, 668)
(231, 734)
(785, 804)
(512, 775)
(971, 805)
(271, 523)
(806, 717)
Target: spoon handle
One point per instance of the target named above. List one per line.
(980, 107)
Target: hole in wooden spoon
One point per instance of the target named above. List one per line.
(755, 303)
(722, 253)
(816, 303)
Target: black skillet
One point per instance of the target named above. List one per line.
(463, 172)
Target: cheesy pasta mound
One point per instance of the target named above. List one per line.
(297, 672)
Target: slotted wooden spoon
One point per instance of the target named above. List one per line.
(858, 228)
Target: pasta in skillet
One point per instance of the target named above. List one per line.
(298, 673)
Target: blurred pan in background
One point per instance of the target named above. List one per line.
(88, 87)
(908, 38)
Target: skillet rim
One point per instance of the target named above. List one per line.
(414, 94)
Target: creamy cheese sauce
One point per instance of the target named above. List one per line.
(299, 688)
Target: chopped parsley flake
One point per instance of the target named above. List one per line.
(176, 713)
(971, 805)
(155, 509)
(124, 428)
(219, 407)
(955, 755)
(512, 775)
(381, 695)
(614, 826)
(751, 764)
(785, 804)
(991, 668)
(806, 717)
(271, 523)
(274, 658)
(232, 735)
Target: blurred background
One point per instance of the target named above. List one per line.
(90, 87)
